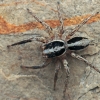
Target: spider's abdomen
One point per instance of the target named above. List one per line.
(78, 43)
(54, 48)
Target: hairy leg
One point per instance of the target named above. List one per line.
(83, 59)
(61, 30)
(40, 39)
(37, 67)
(65, 63)
(80, 25)
(47, 27)
(56, 73)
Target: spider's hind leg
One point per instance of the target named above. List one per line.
(65, 63)
(56, 74)
(37, 67)
(83, 59)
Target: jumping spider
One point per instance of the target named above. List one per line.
(58, 47)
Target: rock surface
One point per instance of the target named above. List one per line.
(22, 84)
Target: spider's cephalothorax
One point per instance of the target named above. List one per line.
(59, 47)
(54, 48)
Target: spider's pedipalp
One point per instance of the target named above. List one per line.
(80, 25)
(47, 27)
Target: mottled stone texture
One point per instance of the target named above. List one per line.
(23, 84)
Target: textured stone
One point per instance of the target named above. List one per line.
(22, 84)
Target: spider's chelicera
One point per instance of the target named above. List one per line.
(58, 47)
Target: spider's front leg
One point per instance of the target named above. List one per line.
(65, 63)
(83, 59)
(40, 39)
(47, 27)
